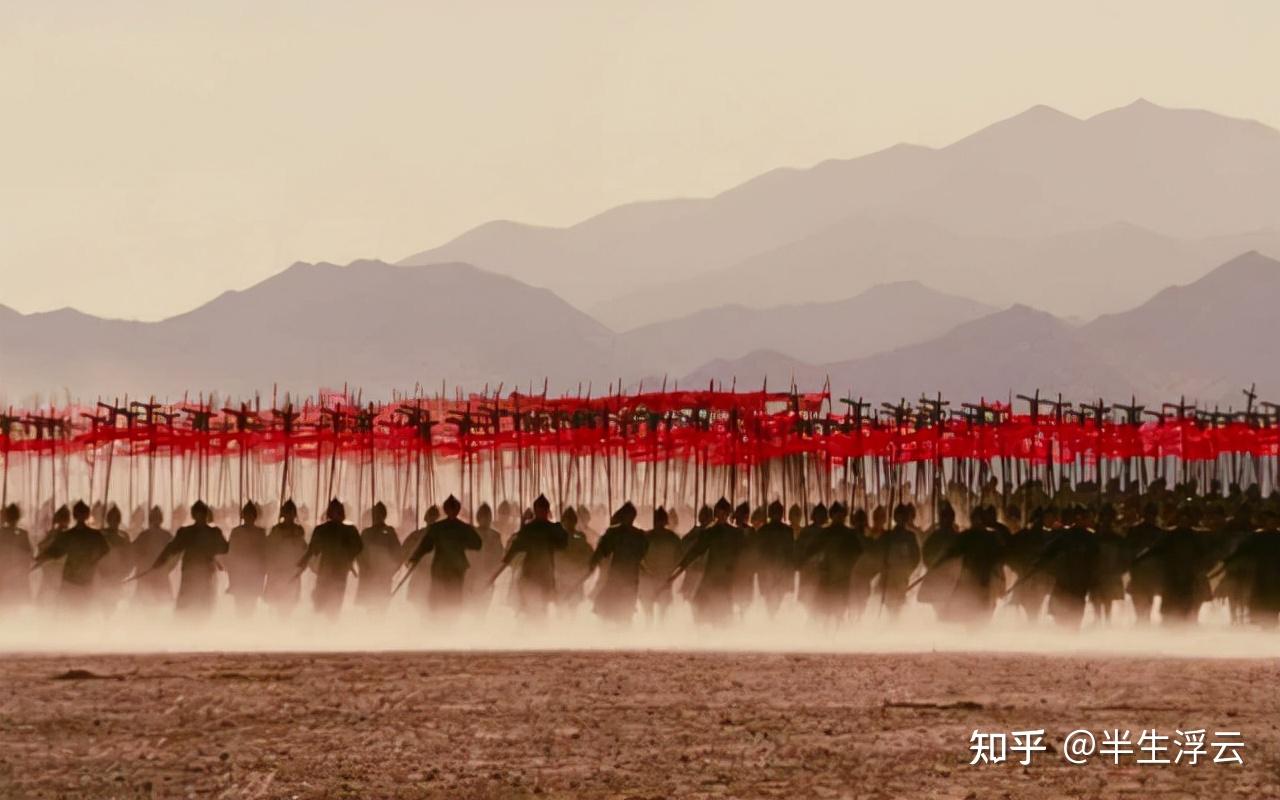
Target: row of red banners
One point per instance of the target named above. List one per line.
(715, 427)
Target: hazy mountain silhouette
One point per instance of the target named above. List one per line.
(1206, 340)
(882, 318)
(1077, 274)
(378, 326)
(1181, 174)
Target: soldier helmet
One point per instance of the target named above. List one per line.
(249, 510)
(12, 513)
(335, 507)
(723, 505)
(288, 507)
(484, 509)
(542, 503)
(660, 517)
(452, 505)
(626, 512)
(837, 508)
(80, 509)
(776, 507)
(155, 516)
(63, 513)
(380, 507)
(199, 507)
(569, 515)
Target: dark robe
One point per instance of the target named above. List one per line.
(659, 560)
(1180, 554)
(572, 566)
(1023, 553)
(1144, 576)
(198, 545)
(1071, 557)
(483, 565)
(977, 558)
(246, 564)
(722, 544)
(693, 571)
(538, 542)
(806, 568)
(419, 581)
(449, 540)
(378, 561)
(286, 544)
(625, 546)
(775, 567)
(15, 566)
(836, 550)
(155, 586)
(335, 545)
(1260, 551)
(899, 557)
(82, 547)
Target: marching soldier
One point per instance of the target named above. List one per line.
(15, 558)
(378, 560)
(198, 545)
(285, 545)
(449, 539)
(334, 546)
(153, 587)
(660, 559)
(722, 544)
(82, 548)
(538, 541)
(247, 561)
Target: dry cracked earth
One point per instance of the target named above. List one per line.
(612, 725)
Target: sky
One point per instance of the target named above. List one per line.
(155, 154)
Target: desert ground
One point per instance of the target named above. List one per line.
(613, 724)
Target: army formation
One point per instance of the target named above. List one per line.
(1155, 553)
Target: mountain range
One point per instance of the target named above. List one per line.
(1077, 216)
(1206, 340)
(1034, 253)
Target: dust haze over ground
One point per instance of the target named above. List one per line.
(138, 704)
(404, 627)
(614, 724)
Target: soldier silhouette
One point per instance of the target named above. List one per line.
(286, 543)
(449, 539)
(15, 558)
(1180, 556)
(420, 577)
(807, 568)
(836, 548)
(334, 546)
(247, 561)
(153, 587)
(198, 545)
(625, 546)
(722, 544)
(378, 560)
(81, 547)
(660, 559)
(51, 572)
(899, 553)
(485, 561)
(538, 541)
(775, 555)
(573, 563)
(116, 564)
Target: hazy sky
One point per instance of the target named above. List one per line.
(153, 154)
